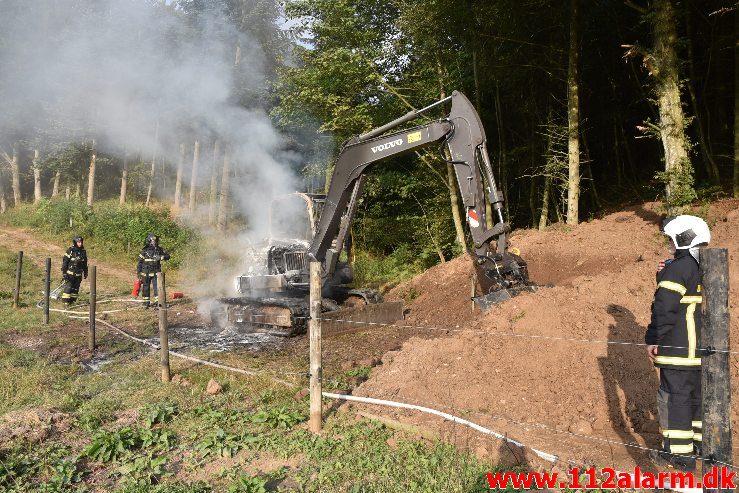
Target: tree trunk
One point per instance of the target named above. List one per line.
(77, 190)
(736, 106)
(589, 175)
(705, 145)
(91, 177)
(3, 204)
(532, 185)
(15, 176)
(153, 165)
(212, 212)
(573, 121)
(55, 188)
(178, 180)
(451, 177)
(549, 170)
(679, 175)
(67, 192)
(502, 163)
(532, 201)
(225, 177)
(36, 177)
(544, 217)
(124, 178)
(194, 175)
(454, 199)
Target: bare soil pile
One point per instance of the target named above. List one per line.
(568, 392)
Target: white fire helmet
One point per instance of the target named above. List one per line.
(686, 231)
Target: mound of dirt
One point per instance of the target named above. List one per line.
(33, 425)
(538, 368)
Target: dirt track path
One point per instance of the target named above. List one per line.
(36, 250)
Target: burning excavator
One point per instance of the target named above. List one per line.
(276, 300)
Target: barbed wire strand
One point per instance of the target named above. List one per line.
(511, 334)
(284, 319)
(412, 406)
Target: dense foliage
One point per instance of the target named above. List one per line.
(110, 228)
(324, 70)
(378, 59)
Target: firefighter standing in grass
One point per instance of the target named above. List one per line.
(74, 268)
(149, 265)
(672, 340)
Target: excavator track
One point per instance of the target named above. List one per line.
(277, 316)
(288, 316)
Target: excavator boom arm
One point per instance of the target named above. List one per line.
(463, 137)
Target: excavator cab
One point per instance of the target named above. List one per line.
(294, 216)
(275, 300)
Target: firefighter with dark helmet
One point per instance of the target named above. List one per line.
(149, 265)
(672, 340)
(74, 268)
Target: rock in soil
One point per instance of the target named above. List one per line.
(213, 388)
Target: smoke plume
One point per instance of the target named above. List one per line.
(116, 70)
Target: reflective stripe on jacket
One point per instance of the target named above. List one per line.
(150, 260)
(74, 261)
(675, 325)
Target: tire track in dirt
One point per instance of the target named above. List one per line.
(36, 250)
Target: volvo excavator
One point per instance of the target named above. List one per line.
(277, 301)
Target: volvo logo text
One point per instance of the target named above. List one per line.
(387, 145)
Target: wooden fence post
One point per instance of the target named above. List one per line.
(93, 306)
(314, 327)
(18, 270)
(163, 335)
(47, 290)
(716, 383)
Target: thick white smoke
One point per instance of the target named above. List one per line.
(115, 70)
(112, 69)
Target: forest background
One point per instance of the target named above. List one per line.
(204, 110)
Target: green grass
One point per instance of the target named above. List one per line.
(23, 373)
(173, 428)
(385, 272)
(32, 278)
(120, 429)
(112, 232)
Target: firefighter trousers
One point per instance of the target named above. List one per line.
(149, 281)
(680, 413)
(71, 288)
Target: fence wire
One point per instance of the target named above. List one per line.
(509, 334)
(522, 424)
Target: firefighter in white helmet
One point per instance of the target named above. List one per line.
(672, 340)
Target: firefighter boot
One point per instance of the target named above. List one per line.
(674, 461)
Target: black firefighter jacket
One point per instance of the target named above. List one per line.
(675, 326)
(150, 260)
(74, 262)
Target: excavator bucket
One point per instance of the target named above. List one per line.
(501, 295)
(508, 277)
